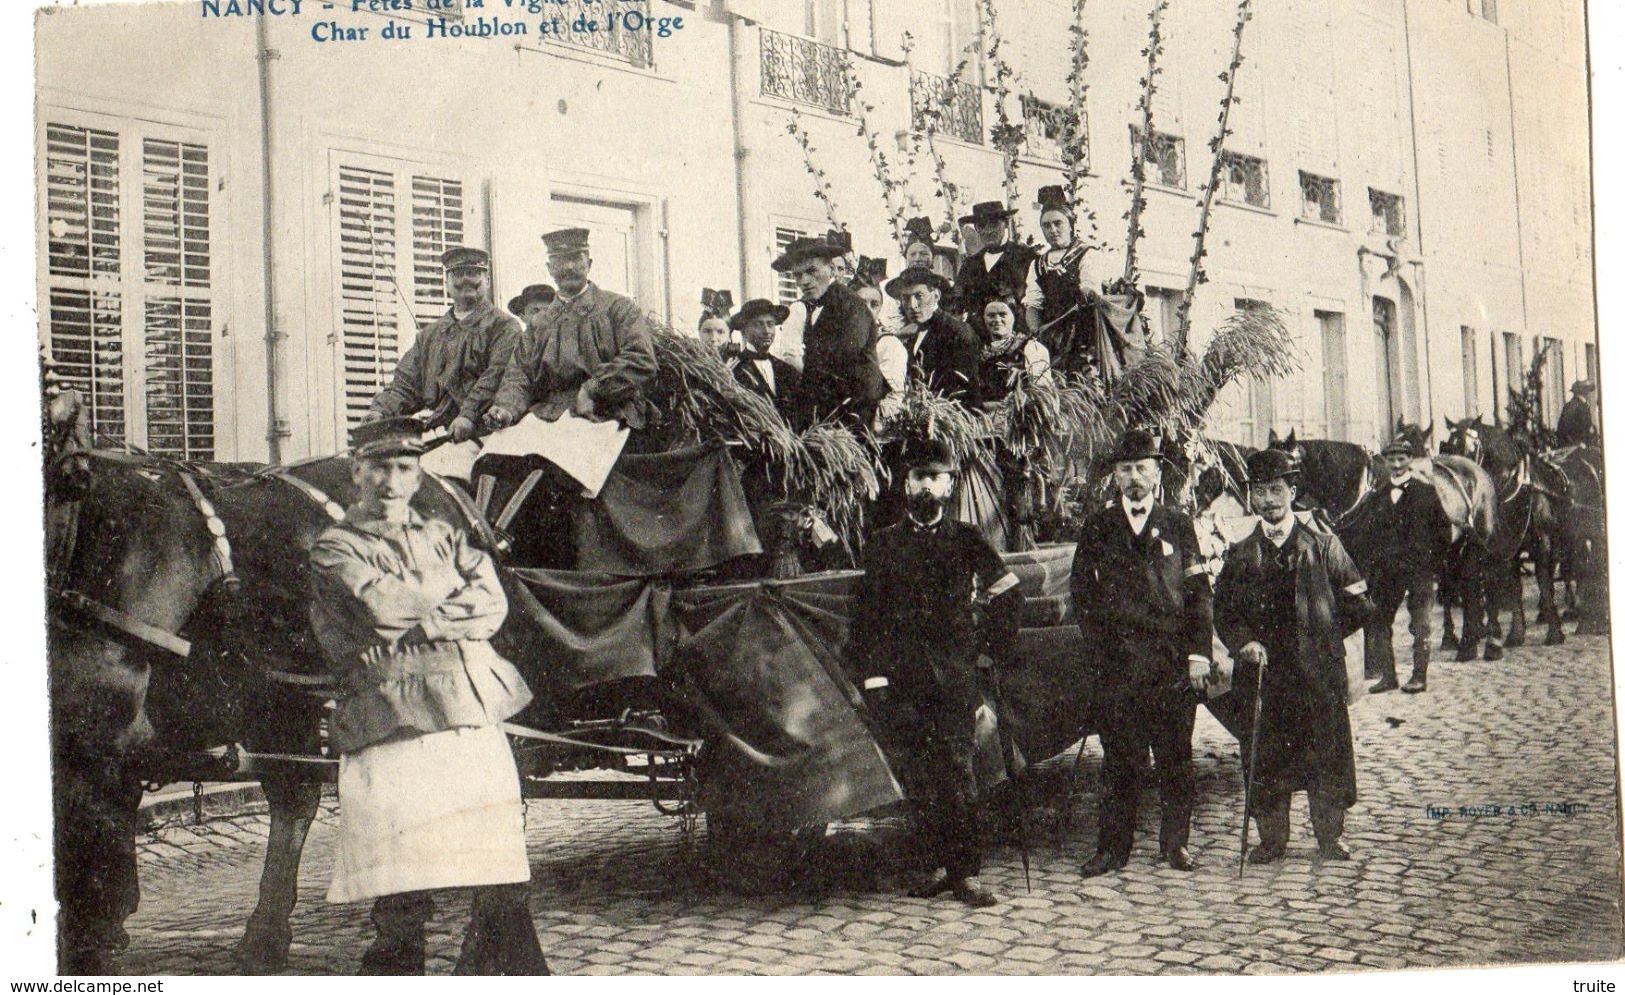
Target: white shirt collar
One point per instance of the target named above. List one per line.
(1401, 480)
(1137, 523)
(1278, 534)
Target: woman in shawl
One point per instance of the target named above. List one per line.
(1060, 310)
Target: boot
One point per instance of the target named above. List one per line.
(501, 937)
(1326, 814)
(398, 948)
(1419, 678)
(1273, 817)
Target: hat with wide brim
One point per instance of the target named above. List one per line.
(757, 308)
(537, 292)
(386, 437)
(806, 248)
(931, 456)
(915, 276)
(987, 212)
(1134, 445)
(1271, 464)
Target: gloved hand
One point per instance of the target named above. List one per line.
(1254, 653)
(496, 417)
(462, 429)
(1198, 668)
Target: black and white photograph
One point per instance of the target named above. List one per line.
(812, 487)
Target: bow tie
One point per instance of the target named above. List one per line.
(1139, 511)
(1276, 532)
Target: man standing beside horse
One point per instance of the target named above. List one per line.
(404, 608)
(1406, 533)
(1286, 599)
(1145, 608)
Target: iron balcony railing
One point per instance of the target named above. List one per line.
(612, 37)
(955, 106)
(804, 71)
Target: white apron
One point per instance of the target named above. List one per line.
(435, 811)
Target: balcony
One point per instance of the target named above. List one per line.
(954, 108)
(804, 72)
(1049, 131)
(635, 47)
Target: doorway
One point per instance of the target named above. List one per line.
(1390, 392)
(613, 242)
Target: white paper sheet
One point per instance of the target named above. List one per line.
(586, 450)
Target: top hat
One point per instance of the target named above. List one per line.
(987, 211)
(398, 436)
(535, 292)
(757, 308)
(930, 455)
(870, 271)
(806, 248)
(465, 257)
(1584, 387)
(566, 240)
(1052, 198)
(1134, 445)
(716, 303)
(1271, 464)
(913, 277)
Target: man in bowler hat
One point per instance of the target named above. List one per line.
(998, 269)
(916, 641)
(1145, 608)
(943, 352)
(755, 367)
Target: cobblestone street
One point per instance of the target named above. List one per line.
(616, 890)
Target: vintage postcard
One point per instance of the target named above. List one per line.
(652, 487)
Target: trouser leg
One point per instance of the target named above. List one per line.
(948, 811)
(1379, 631)
(1123, 740)
(1273, 815)
(1172, 723)
(398, 948)
(1419, 603)
(501, 937)
(1326, 815)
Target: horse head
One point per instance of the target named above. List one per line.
(1464, 438)
(1420, 439)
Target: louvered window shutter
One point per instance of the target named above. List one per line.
(437, 224)
(782, 237)
(369, 300)
(178, 325)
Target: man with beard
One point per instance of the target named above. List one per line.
(840, 376)
(943, 352)
(404, 608)
(915, 637)
(1145, 609)
(454, 368)
(1287, 598)
(590, 351)
(998, 269)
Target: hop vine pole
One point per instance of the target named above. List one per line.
(1007, 136)
(890, 187)
(1198, 274)
(946, 190)
(909, 146)
(1072, 152)
(1148, 89)
(821, 186)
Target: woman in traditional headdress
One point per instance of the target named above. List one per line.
(714, 330)
(1059, 300)
(1009, 352)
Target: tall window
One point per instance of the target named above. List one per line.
(393, 223)
(1322, 200)
(1162, 312)
(1553, 382)
(1387, 213)
(129, 287)
(1244, 179)
(1335, 373)
(1165, 159)
(1258, 412)
(1050, 130)
(1469, 372)
(1512, 357)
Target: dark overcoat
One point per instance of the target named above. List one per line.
(839, 371)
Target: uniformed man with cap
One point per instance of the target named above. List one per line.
(840, 376)
(404, 608)
(1286, 599)
(915, 641)
(943, 352)
(1145, 608)
(590, 351)
(454, 367)
(1574, 424)
(1405, 534)
(531, 302)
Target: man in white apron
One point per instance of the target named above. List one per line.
(404, 608)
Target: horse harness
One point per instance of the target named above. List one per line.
(66, 599)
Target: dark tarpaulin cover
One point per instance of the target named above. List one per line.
(576, 630)
(666, 513)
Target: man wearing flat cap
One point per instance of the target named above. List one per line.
(916, 643)
(1145, 609)
(404, 608)
(590, 351)
(1286, 599)
(1403, 536)
(998, 269)
(840, 376)
(531, 302)
(756, 368)
(1574, 424)
(943, 352)
(455, 366)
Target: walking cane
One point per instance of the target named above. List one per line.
(1252, 762)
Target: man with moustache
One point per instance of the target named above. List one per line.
(755, 367)
(1145, 609)
(943, 352)
(1287, 598)
(455, 366)
(998, 269)
(914, 637)
(840, 376)
(590, 351)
